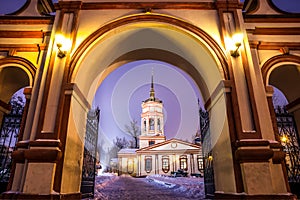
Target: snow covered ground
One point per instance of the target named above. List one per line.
(102, 181)
(192, 187)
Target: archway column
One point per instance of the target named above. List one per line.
(256, 146)
(51, 159)
(256, 155)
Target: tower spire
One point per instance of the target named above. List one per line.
(152, 92)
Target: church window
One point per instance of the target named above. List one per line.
(145, 125)
(165, 164)
(183, 163)
(148, 164)
(200, 163)
(151, 123)
(158, 124)
(130, 166)
(151, 142)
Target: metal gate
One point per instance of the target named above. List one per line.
(90, 153)
(290, 141)
(9, 131)
(207, 154)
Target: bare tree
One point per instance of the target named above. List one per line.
(121, 143)
(134, 130)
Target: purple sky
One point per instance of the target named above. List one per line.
(120, 95)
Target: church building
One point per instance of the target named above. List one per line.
(156, 155)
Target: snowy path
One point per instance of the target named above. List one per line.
(128, 188)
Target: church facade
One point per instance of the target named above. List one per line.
(156, 155)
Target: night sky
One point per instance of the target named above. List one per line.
(120, 95)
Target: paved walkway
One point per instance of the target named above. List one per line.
(128, 188)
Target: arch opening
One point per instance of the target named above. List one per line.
(282, 72)
(11, 80)
(190, 52)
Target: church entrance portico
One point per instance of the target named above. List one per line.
(240, 138)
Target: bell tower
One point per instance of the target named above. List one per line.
(152, 120)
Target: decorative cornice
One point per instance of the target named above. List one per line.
(173, 151)
(253, 155)
(252, 142)
(68, 6)
(149, 148)
(45, 143)
(43, 155)
(290, 18)
(274, 45)
(274, 31)
(229, 5)
(23, 47)
(26, 20)
(137, 5)
(24, 34)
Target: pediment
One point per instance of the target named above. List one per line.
(172, 144)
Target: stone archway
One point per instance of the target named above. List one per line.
(241, 130)
(282, 72)
(15, 73)
(164, 38)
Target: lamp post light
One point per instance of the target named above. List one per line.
(237, 40)
(63, 45)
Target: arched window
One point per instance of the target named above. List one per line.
(165, 164)
(200, 163)
(130, 166)
(148, 164)
(183, 162)
(145, 125)
(151, 123)
(158, 124)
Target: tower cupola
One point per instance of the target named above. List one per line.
(152, 119)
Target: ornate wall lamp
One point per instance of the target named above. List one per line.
(237, 40)
(63, 45)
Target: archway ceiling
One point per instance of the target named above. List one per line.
(287, 79)
(11, 80)
(132, 37)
